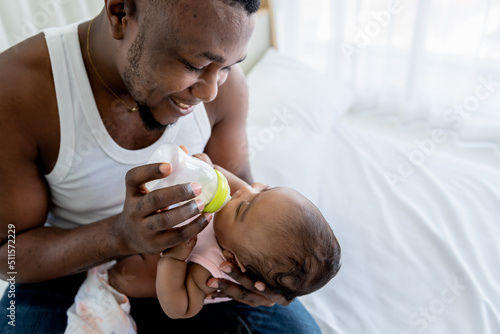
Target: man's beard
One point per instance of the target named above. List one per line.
(150, 123)
(132, 71)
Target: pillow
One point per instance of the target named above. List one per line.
(282, 89)
(292, 108)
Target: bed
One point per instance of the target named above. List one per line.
(420, 243)
(416, 213)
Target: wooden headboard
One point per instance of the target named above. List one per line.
(263, 38)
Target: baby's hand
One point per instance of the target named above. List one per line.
(204, 157)
(201, 156)
(135, 276)
(181, 251)
(259, 186)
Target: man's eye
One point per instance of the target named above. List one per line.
(192, 68)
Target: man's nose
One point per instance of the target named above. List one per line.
(206, 88)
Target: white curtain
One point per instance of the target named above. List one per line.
(21, 19)
(431, 60)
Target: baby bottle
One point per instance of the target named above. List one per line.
(185, 169)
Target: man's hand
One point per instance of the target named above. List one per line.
(146, 224)
(249, 292)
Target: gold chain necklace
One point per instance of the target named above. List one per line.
(100, 78)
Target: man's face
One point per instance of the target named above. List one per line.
(181, 54)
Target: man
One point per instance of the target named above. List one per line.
(83, 108)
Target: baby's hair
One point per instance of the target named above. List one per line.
(305, 254)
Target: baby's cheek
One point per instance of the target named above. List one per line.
(227, 209)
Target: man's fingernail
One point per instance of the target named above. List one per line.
(226, 269)
(208, 216)
(196, 188)
(200, 205)
(260, 286)
(214, 285)
(165, 168)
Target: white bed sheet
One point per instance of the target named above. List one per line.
(420, 254)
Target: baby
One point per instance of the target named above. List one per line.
(274, 235)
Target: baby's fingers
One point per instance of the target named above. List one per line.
(181, 251)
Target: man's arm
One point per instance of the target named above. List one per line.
(181, 287)
(44, 253)
(228, 145)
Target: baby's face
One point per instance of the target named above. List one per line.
(248, 217)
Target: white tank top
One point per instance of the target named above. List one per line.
(87, 183)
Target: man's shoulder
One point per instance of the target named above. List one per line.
(26, 82)
(25, 72)
(29, 108)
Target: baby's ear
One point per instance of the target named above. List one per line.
(231, 257)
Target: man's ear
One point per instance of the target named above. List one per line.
(119, 13)
(231, 257)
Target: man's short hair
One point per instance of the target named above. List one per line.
(251, 6)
